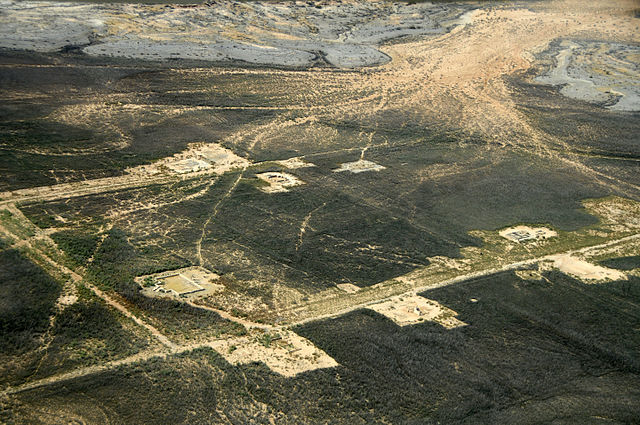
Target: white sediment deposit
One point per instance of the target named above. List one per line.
(597, 72)
(344, 34)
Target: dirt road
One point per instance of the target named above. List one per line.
(457, 78)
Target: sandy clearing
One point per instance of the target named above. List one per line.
(410, 309)
(295, 163)
(527, 233)
(199, 156)
(278, 182)
(187, 283)
(188, 165)
(284, 352)
(66, 300)
(349, 288)
(360, 166)
(584, 270)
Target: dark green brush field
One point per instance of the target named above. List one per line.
(532, 351)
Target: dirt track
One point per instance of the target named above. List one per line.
(458, 78)
(177, 349)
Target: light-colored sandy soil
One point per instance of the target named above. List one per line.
(349, 288)
(199, 156)
(178, 284)
(284, 352)
(496, 42)
(66, 300)
(526, 233)
(188, 165)
(359, 166)
(410, 309)
(278, 182)
(295, 163)
(189, 283)
(220, 158)
(584, 270)
(529, 274)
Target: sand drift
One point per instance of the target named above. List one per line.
(341, 34)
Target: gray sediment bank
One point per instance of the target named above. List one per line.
(344, 34)
(598, 72)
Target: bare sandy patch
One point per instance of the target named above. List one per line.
(278, 182)
(584, 270)
(284, 352)
(349, 288)
(189, 282)
(220, 158)
(198, 157)
(295, 163)
(407, 310)
(67, 300)
(188, 165)
(359, 166)
(526, 233)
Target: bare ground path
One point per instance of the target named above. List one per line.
(78, 278)
(466, 277)
(467, 67)
(87, 187)
(177, 349)
(213, 214)
(244, 322)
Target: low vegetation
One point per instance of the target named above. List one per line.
(41, 337)
(508, 365)
(28, 301)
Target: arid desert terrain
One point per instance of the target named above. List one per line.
(322, 212)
